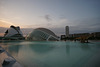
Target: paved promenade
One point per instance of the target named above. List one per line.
(6, 60)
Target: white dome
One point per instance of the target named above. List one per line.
(42, 34)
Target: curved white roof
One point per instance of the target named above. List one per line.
(13, 31)
(42, 34)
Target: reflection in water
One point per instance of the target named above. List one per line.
(41, 48)
(68, 49)
(52, 54)
(85, 46)
(14, 49)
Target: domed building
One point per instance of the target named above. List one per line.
(42, 34)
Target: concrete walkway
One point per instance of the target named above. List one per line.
(6, 60)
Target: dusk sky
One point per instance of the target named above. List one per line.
(79, 15)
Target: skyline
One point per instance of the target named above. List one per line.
(79, 15)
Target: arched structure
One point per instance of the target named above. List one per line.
(42, 34)
(13, 33)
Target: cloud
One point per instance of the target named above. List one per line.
(2, 29)
(64, 20)
(32, 26)
(47, 17)
(86, 25)
(58, 31)
(5, 23)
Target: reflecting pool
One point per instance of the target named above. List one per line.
(54, 53)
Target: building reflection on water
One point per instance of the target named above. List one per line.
(15, 48)
(51, 54)
(41, 48)
(68, 49)
(85, 46)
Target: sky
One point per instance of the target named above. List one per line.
(79, 15)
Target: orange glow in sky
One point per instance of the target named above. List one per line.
(5, 23)
(79, 15)
(1, 34)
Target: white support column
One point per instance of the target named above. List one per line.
(48, 38)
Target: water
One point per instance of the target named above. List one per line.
(54, 53)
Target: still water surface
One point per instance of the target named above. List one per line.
(54, 53)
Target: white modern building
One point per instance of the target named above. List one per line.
(42, 34)
(67, 31)
(13, 32)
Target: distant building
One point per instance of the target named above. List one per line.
(91, 36)
(67, 31)
(96, 34)
(71, 35)
(13, 33)
(80, 34)
(42, 34)
(63, 37)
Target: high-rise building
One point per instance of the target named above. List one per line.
(67, 31)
